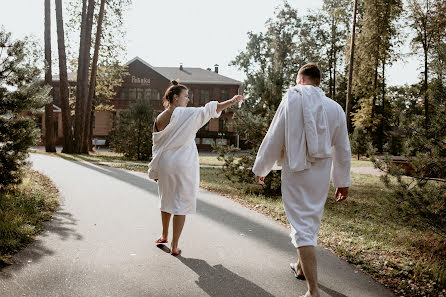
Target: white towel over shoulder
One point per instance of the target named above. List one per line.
(304, 146)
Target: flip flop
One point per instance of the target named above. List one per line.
(293, 269)
(178, 252)
(161, 240)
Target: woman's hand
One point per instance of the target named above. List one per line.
(228, 103)
(238, 98)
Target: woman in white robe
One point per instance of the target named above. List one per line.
(175, 164)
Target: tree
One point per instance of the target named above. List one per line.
(108, 49)
(132, 131)
(63, 82)
(350, 68)
(82, 74)
(269, 61)
(427, 18)
(359, 142)
(50, 145)
(375, 50)
(20, 93)
(91, 90)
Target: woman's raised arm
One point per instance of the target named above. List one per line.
(228, 103)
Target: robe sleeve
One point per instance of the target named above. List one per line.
(202, 115)
(271, 149)
(341, 154)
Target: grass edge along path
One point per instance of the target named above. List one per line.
(23, 210)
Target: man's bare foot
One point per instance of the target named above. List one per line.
(297, 270)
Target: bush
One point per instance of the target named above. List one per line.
(131, 134)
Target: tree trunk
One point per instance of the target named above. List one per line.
(63, 84)
(350, 70)
(381, 127)
(49, 117)
(425, 87)
(91, 90)
(82, 75)
(90, 133)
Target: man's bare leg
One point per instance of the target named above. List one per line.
(307, 260)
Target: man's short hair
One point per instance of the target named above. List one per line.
(312, 71)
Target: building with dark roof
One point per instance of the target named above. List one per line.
(149, 82)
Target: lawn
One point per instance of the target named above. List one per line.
(23, 210)
(365, 230)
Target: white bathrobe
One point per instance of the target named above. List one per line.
(297, 140)
(175, 158)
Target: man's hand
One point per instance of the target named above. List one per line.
(260, 179)
(341, 194)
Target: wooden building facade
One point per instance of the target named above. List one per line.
(149, 82)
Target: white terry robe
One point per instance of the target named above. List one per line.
(175, 158)
(304, 190)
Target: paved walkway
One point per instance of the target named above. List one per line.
(101, 243)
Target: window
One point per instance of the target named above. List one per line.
(222, 124)
(132, 93)
(208, 141)
(204, 96)
(147, 93)
(124, 93)
(224, 94)
(221, 141)
(140, 93)
(155, 95)
(191, 96)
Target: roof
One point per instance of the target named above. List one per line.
(186, 75)
(189, 75)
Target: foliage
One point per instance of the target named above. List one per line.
(19, 93)
(359, 142)
(131, 134)
(375, 50)
(422, 196)
(23, 210)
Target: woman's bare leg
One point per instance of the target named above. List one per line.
(165, 219)
(178, 223)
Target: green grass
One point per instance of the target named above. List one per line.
(23, 209)
(92, 157)
(365, 230)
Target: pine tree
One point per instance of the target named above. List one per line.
(20, 93)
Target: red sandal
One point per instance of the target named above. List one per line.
(161, 240)
(178, 252)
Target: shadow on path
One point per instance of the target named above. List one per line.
(218, 281)
(240, 224)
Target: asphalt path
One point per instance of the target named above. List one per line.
(100, 242)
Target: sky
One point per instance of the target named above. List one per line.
(197, 33)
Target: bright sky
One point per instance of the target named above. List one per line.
(197, 33)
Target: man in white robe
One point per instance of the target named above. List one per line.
(308, 137)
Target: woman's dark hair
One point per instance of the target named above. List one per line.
(174, 89)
